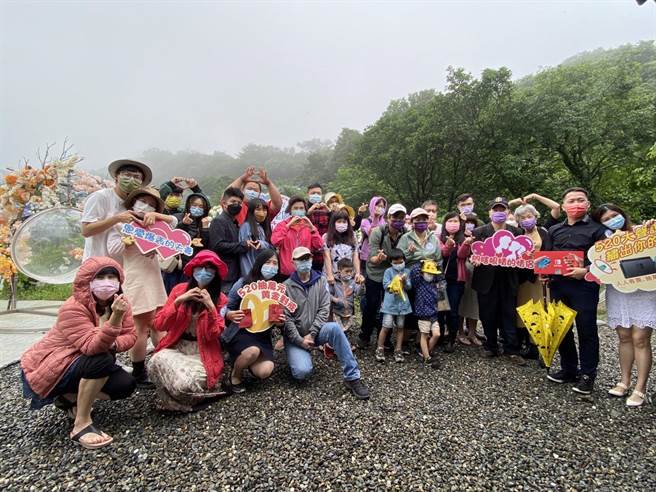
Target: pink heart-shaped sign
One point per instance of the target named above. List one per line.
(159, 237)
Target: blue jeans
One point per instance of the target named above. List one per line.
(300, 360)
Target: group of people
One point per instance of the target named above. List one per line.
(410, 271)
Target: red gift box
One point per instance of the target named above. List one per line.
(556, 262)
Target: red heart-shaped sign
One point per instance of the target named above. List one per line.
(161, 238)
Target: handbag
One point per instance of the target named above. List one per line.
(442, 297)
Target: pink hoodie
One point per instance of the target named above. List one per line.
(370, 223)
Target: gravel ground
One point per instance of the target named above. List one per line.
(475, 424)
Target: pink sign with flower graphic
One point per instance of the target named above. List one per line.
(504, 249)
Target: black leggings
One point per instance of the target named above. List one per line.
(119, 385)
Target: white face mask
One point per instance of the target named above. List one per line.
(142, 207)
(428, 277)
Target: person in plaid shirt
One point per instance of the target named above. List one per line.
(319, 215)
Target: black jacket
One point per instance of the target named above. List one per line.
(195, 229)
(484, 275)
(224, 241)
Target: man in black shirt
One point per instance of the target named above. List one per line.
(224, 236)
(578, 233)
(497, 287)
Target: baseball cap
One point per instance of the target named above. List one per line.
(417, 212)
(300, 252)
(397, 207)
(498, 201)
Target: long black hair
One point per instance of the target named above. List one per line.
(256, 271)
(102, 309)
(213, 288)
(460, 235)
(254, 204)
(333, 237)
(598, 212)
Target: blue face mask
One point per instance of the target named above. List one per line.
(398, 266)
(203, 276)
(314, 198)
(303, 266)
(251, 194)
(615, 223)
(196, 211)
(269, 271)
(298, 213)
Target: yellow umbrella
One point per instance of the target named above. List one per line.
(562, 322)
(535, 318)
(396, 287)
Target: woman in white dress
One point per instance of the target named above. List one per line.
(633, 315)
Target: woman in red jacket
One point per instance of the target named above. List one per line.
(188, 362)
(74, 364)
(298, 230)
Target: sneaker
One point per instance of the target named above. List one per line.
(238, 388)
(561, 377)
(380, 354)
(584, 386)
(358, 389)
(398, 357)
(449, 349)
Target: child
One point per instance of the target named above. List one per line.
(342, 294)
(424, 277)
(340, 244)
(396, 304)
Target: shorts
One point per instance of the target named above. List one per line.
(393, 321)
(427, 326)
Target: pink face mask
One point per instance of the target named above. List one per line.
(452, 227)
(104, 289)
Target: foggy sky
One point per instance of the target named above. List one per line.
(120, 77)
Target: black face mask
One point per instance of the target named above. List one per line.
(234, 209)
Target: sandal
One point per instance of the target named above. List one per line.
(636, 399)
(91, 429)
(619, 390)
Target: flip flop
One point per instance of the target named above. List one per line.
(91, 429)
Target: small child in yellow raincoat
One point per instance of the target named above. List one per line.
(396, 304)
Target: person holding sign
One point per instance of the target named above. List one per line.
(104, 209)
(307, 326)
(74, 364)
(633, 315)
(497, 287)
(187, 365)
(578, 232)
(251, 350)
(143, 286)
(257, 229)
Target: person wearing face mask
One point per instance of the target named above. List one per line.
(294, 232)
(250, 183)
(496, 287)
(396, 305)
(252, 351)
(187, 365)
(454, 258)
(432, 208)
(194, 220)
(531, 287)
(104, 209)
(340, 242)
(468, 309)
(308, 327)
(633, 315)
(382, 240)
(171, 192)
(424, 277)
(578, 232)
(553, 206)
(74, 364)
(143, 286)
(465, 205)
(420, 243)
(377, 209)
(224, 236)
(342, 294)
(256, 228)
(319, 215)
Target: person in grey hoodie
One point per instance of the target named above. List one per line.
(308, 325)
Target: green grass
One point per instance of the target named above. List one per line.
(41, 292)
